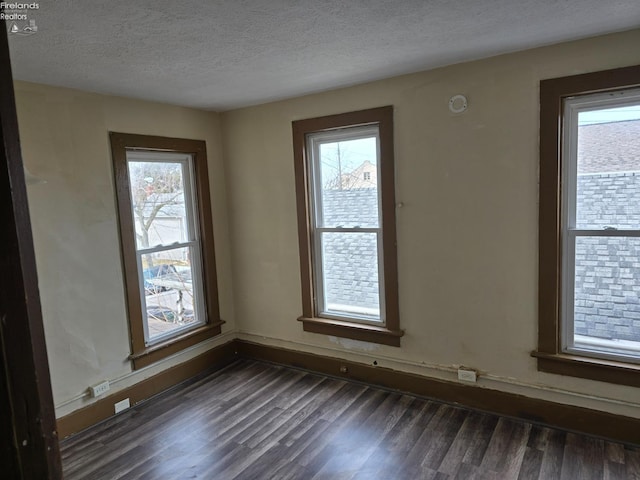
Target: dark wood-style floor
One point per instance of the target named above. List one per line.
(260, 421)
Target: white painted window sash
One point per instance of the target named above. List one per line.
(193, 244)
(587, 346)
(313, 148)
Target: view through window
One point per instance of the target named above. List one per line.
(602, 225)
(347, 223)
(167, 243)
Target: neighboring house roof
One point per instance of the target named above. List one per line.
(363, 176)
(609, 147)
(351, 207)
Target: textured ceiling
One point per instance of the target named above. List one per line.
(223, 54)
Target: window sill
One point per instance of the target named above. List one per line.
(157, 352)
(355, 331)
(610, 371)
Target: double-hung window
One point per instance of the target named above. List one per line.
(346, 221)
(590, 226)
(165, 227)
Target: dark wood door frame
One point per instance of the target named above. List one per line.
(28, 438)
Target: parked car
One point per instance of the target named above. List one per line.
(160, 313)
(156, 271)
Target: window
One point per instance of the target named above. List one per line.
(346, 225)
(589, 271)
(167, 243)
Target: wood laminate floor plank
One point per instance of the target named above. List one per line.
(254, 421)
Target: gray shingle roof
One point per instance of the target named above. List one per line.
(607, 277)
(607, 270)
(350, 207)
(350, 259)
(609, 147)
(608, 200)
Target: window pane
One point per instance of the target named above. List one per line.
(607, 294)
(169, 292)
(158, 201)
(350, 271)
(349, 183)
(608, 183)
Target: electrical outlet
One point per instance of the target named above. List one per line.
(121, 405)
(99, 388)
(467, 375)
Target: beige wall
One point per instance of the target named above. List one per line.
(64, 135)
(467, 234)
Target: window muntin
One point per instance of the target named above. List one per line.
(346, 229)
(600, 314)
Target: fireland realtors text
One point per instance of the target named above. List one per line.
(14, 11)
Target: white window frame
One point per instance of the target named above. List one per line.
(193, 242)
(587, 346)
(314, 141)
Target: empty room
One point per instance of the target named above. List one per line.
(320, 240)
